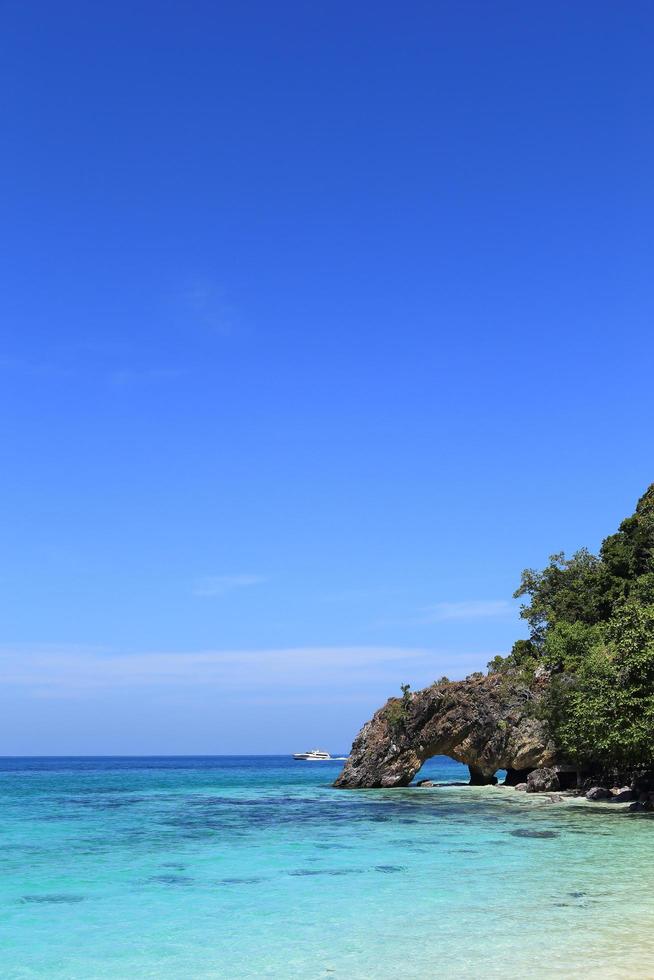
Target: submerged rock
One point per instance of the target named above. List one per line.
(54, 899)
(539, 834)
(542, 780)
(425, 782)
(521, 787)
(485, 722)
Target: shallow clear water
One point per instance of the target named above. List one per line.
(254, 867)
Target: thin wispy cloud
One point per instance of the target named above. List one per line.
(467, 609)
(24, 367)
(76, 671)
(219, 585)
(123, 377)
(204, 303)
(360, 595)
(83, 364)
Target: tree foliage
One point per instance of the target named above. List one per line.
(591, 621)
(397, 709)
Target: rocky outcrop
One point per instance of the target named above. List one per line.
(542, 781)
(624, 795)
(598, 793)
(487, 722)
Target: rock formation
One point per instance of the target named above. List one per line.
(487, 722)
(542, 781)
(598, 793)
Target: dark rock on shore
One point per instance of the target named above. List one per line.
(640, 801)
(485, 722)
(638, 780)
(542, 781)
(598, 793)
(624, 796)
(643, 805)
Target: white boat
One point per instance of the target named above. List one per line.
(314, 755)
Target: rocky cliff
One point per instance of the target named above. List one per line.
(486, 722)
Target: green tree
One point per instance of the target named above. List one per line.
(568, 590)
(591, 622)
(608, 713)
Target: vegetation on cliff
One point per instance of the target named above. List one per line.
(591, 620)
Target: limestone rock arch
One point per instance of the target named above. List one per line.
(486, 722)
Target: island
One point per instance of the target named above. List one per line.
(571, 707)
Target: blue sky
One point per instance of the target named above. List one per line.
(320, 321)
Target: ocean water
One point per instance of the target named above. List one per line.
(248, 867)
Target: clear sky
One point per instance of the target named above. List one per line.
(320, 321)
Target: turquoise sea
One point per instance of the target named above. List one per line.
(235, 867)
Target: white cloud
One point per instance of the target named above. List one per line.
(55, 672)
(217, 585)
(467, 609)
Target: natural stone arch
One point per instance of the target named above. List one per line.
(486, 722)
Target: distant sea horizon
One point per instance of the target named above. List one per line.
(153, 755)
